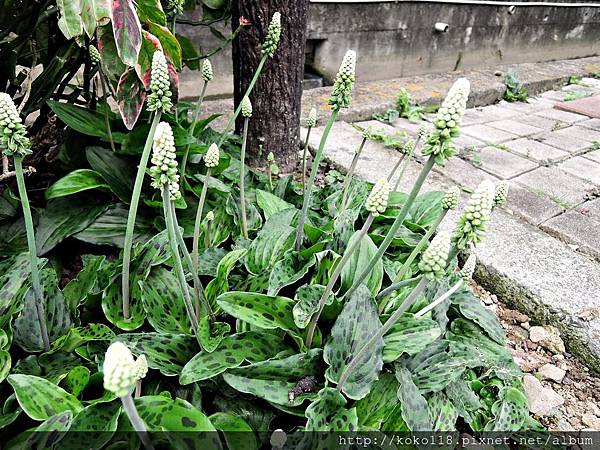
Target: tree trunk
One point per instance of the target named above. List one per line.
(275, 121)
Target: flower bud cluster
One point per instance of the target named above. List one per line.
(501, 193)
(246, 107)
(408, 148)
(472, 223)
(13, 134)
(94, 54)
(434, 259)
(211, 158)
(273, 35)
(466, 273)
(447, 123)
(378, 198)
(164, 162)
(311, 120)
(207, 70)
(344, 82)
(451, 199)
(121, 371)
(159, 98)
(175, 7)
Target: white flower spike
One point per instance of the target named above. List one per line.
(120, 370)
(164, 163)
(378, 198)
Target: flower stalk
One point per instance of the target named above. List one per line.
(311, 122)
(14, 142)
(350, 173)
(247, 113)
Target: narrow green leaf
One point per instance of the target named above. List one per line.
(270, 204)
(359, 261)
(76, 181)
(69, 21)
(415, 410)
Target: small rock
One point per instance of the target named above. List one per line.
(558, 357)
(517, 334)
(592, 408)
(550, 372)
(526, 325)
(542, 400)
(591, 421)
(512, 315)
(590, 313)
(548, 337)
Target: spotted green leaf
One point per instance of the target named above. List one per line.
(69, 22)
(112, 306)
(98, 421)
(463, 398)
(442, 412)
(471, 308)
(165, 352)
(307, 303)
(161, 291)
(409, 335)
(28, 334)
(232, 351)
(437, 371)
(232, 207)
(273, 379)
(262, 311)
(291, 268)
(5, 364)
(48, 434)
(271, 204)
(77, 290)
(360, 261)
(11, 284)
(76, 380)
(211, 333)
(78, 336)
(377, 407)
(510, 412)
(355, 325)
(238, 434)
(209, 261)
(415, 410)
(220, 284)
(40, 399)
(327, 413)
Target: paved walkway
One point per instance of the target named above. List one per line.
(543, 250)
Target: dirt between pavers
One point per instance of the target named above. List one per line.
(577, 386)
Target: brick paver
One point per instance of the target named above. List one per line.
(504, 164)
(536, 151)
(488, 134)
(515, 127)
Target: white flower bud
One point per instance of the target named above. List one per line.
(311, 120)
(13, 139)
(120, 370)
(455, 101)
(160, 84)
(211, 159)
(435, 257)
(142, 366)
(246, 107)
(207, 70)
(164, 163)
(501, 193)
(472, 223)
(451, 199)
(378, 198)
(210, 216)
(466, 273)
(94, 54)
(344, 82)
(273, 35)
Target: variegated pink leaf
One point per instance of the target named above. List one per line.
(127, 30)
(130, 97)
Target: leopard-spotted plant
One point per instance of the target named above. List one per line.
(121, 373)
(340, 98)
(166, 179)
(439, 147)
(450, 201)
(159, 101)
(246, 113)
(207, 76)
(269, 47)
(376, 204)
(433, 267)
(14, 142)
(311, 122)
(366, 135)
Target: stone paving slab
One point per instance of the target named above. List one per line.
(561, 187)
(543, 123)
(563, 116)
(463, 173)
(530, 106)
(582, 168)
(593, 155)
(536, 151)
(464, 142)
(581, 133)
(590, 106)
(576, 228)
(563, 142)
(532, 207)
(543, 278)
(503, 164)
(515, 127)
(488, 134)
(594, 124)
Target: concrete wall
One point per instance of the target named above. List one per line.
(395, 39)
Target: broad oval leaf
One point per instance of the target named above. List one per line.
(76, 181)
(355, 325)
(238, 434)
(40, 399)
(130, 97)
(263, 311)
(415, 410)
(327, 413)
(127, 30)
(409, 335)
(359, 262)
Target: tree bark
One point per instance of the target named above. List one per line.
(274, 126)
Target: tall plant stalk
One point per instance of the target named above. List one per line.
(106, 109)
(311, 180)
(178, 266)
(196, 235)
(188, 260)
(244, 219)
(36, 284)
(136, 421)
(350, 173)
(133, 206)
(396, 225)
(334, 277)
(304, 155)
(393, 171)
(408, 302)
(191, 131)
